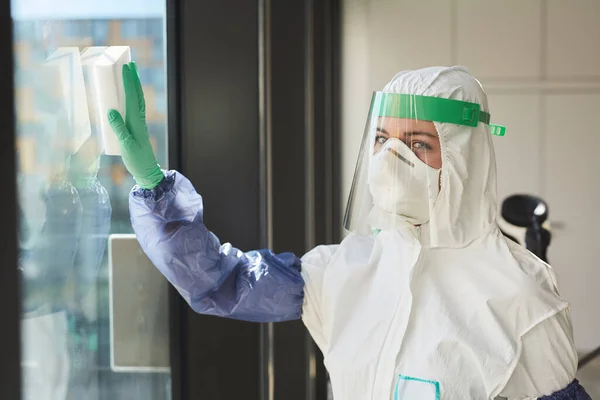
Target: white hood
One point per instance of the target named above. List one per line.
(466, 206)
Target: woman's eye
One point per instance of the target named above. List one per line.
(420, 146)
(380, 139)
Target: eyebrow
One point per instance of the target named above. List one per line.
(412, 133)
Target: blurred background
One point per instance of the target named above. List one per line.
(231, 85)
(537, 63)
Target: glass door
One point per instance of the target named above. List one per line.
(94, 315)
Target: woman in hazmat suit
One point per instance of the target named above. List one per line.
(438, 303)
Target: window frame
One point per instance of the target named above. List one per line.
(10, 341)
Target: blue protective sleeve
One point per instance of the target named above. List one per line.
(572, 392)
(214, 279)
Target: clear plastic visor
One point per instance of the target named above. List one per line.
(397, 176)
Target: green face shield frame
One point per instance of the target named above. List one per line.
(426, 108)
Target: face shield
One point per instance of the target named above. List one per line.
(397, 176)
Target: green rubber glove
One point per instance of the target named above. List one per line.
(136, 150)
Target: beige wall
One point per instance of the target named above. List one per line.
(539, 61)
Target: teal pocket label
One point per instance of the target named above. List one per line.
(409, 388)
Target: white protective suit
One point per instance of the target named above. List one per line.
(448, 310)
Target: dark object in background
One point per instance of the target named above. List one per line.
(527, 211)
(531, 212)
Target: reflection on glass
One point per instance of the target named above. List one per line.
(72, 196)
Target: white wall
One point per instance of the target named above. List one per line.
(539, 61)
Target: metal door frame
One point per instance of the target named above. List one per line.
(10, 343)
(253, 122)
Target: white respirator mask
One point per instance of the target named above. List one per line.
(401, 183)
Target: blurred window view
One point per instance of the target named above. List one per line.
(73, 197)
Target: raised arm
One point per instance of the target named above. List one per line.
(167, 216)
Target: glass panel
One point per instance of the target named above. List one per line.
(94, 310)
